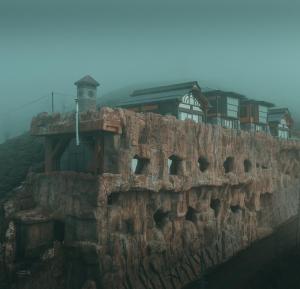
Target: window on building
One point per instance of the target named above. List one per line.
(183, 115)
(232, 107)
(189, 100)
(243, 111)
(283, 134)
(190, 108)
(197, 108)
(262, 114)
(184, 105)
(190, 115)
(258, 128)
(91, 93)
(228, 123)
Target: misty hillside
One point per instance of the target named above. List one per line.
(17, 156)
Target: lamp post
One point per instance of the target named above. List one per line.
(77, 122)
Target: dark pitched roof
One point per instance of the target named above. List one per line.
(276, 114)
(215, 92)
(165, 88)
(153, 94)
(87, 80)
(259, 102)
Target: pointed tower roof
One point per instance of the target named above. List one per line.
(87, 80)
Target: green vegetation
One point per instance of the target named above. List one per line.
(17, 156)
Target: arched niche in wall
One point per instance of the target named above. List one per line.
(215, 204)
(228, 165)
(160, 218)
(247, 165)
(139, 165)
(203, 164)
(191, 215)
(174, 165)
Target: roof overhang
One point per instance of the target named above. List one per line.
(258, 102)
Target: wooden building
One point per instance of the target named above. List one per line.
(183, 100)
(224, 108)
(254, 115)
(280, 122)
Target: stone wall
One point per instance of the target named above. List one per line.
(199, 195)
(185, 223)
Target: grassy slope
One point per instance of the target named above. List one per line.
(17, 156)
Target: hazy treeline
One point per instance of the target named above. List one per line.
(18, 156)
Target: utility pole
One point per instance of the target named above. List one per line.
(52, 101)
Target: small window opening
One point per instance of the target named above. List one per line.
(235, 209)
(59, 231)
(215, 204)
(257, 165)
(113, 198)
(191, 215)
(266, 200)
(139, 165)
(129, 226)
(264, 167)
(91, 93)
(160, 217)
(228, 164)
(203, 164)
(247, 166)
(174, 165)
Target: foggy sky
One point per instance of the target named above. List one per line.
(251, 47)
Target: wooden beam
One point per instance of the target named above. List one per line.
(53, 150)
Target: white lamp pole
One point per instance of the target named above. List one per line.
(77, 122)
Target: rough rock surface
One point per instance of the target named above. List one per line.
(154, 229)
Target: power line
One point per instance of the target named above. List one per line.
(63, 94)
(32, 102)
(48, 95)
(4, 116)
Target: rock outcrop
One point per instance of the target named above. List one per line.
(184, 197)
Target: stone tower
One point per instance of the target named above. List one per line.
(87, 93)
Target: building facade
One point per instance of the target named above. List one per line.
(187, 101)
(183, 100)
(254, 115)
(224, 108)
(280, 122)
